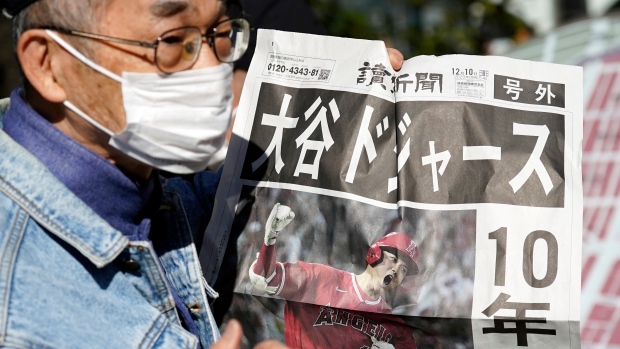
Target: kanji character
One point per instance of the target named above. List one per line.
(542, 91)
(379, 72)
(520, 319)
(427, 81)
(512, 87)
(318, 146)
(280, 122)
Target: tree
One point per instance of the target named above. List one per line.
(423, 27)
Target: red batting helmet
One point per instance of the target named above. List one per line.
(399, 241)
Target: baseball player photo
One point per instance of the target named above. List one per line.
(331, 308)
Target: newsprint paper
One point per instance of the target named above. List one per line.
(439, 206)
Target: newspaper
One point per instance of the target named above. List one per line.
(435, 206)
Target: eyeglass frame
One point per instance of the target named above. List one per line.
(210, 38)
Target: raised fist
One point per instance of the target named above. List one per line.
(279, 218)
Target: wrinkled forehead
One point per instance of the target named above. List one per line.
(164, 8)
(119, 11)
(145, 19)
(156, 7)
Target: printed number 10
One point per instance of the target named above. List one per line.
(501, 236)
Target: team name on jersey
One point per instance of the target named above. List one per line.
(331, 317)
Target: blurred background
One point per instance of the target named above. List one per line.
(552, 30)
(576, 32)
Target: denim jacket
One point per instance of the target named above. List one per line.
(69, 280)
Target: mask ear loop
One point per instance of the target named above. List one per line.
(83, 58)
(92, 65)
(87, 118)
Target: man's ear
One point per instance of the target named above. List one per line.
(40, 59)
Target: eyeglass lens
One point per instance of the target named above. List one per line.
(231, 40)
(179, 48)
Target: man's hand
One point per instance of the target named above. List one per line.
(231, 339)
(396, 58)
(279, 218)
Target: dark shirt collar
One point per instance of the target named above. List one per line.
(125, 202)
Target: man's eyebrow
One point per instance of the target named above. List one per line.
(167, 8)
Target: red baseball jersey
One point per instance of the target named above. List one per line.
(316, 284)
(323, 285)
(322, 327)
(326, 308)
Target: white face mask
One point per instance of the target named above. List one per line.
(175, 122)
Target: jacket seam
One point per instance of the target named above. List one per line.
(152, 334)
(210, 320)
(156, 330)
(168, 303)
(196, 270)
(9, 254)
(58, 230)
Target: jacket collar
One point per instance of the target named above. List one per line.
(24, 179)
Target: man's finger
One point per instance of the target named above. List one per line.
(231, 338)
(396, 58)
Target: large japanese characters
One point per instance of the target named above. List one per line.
(438, 206)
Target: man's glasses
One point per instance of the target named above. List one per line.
(178, 49)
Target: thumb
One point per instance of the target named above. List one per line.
(396, 58)
(231, 338)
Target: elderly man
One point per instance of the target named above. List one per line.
(96, 249)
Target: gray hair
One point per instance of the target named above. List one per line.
(72, 14)
(81, 15)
